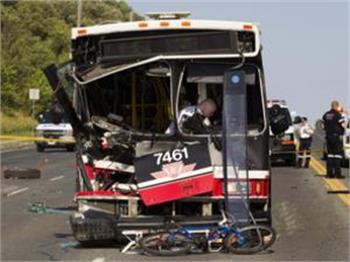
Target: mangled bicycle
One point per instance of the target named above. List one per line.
(226, 236)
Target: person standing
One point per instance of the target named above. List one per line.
(334, 124)
(305, 139)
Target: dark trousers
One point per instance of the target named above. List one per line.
(334, 155)
(304, 153)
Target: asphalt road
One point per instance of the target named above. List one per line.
(311, 223)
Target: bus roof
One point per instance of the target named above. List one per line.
(175, 24)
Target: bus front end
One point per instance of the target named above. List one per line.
(126, 84)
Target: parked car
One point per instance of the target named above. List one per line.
(54, 132)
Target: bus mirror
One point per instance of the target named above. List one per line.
(278, 120)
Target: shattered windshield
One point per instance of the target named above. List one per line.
(203, 82)
(139, 97)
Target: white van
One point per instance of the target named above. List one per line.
(54, 134)
(346, 142)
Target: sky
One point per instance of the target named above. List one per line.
(305, 46)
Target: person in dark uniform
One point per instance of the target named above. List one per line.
(334, 127)
(195, 119)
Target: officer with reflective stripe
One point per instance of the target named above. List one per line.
(334, 127)
(195, 119)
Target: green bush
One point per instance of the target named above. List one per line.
(35, 34)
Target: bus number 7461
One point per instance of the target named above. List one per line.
(169, 156)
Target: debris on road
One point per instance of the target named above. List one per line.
(40, 208)
(21, 173)
(70, 244)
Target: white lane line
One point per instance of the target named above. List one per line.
(7, 189)
(99, 259)
(56, 178)
(17, 191)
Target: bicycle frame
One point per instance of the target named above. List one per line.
(220, 233)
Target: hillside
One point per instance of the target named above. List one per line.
(35, 34)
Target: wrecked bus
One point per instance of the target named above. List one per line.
(125, 84)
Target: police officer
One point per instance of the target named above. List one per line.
(195, 119)
(334, 127)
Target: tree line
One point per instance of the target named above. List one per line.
(35, 34)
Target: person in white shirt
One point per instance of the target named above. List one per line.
(195, 119)
(296, 126)
(305, 133)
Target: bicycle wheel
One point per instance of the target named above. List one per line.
(269, 237)
(251, 239)
(166, 244)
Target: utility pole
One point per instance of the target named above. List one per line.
(131, 16)
(80, 6)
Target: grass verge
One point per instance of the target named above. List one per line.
(16, 123)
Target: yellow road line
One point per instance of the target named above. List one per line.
(340, 185)
(320, 168)
(335, 185)
(32, 139)
(332, 184)
(312, 165)
(345, 198)
(329, 183)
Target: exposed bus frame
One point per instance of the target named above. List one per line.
(181, 24)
